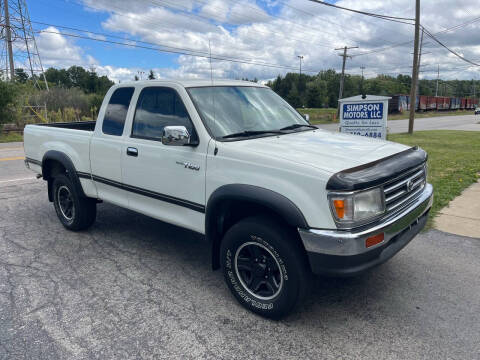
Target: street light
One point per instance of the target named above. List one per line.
(300, 57)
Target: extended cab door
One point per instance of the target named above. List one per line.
(165, 182)
(107, 146)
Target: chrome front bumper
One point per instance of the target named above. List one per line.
(341, 244)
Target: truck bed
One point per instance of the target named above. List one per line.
(71, 139)
(77, 125)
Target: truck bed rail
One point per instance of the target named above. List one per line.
(77, 125)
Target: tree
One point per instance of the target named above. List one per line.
(8, 95)
(293, 97)
(151, 75)
(316, 93)
(21, 75)
(77, 76)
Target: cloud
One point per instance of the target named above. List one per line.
(275, 32)
(117, 74)
(299, 27)
(58, 51)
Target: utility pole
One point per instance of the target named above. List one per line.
(438, 78)
(8, 31)
(345, 56)
(413, 88)
(419, 62)
(300, 57)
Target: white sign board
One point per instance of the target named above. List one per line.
(364, 116)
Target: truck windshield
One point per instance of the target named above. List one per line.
(231, 110)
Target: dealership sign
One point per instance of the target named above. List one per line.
(364, 116)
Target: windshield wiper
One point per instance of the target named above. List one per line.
(296, 126)
(251, 133)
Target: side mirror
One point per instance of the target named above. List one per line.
(175, 136)
(306, 117)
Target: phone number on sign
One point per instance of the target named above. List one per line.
(367, 133)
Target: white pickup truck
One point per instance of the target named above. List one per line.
(276, 198)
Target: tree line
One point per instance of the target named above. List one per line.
(322, 90)
(76, 93)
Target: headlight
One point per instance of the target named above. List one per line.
(351, 209)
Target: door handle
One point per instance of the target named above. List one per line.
(131, 151)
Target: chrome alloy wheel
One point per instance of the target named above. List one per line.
(258, 270)
(65, 202)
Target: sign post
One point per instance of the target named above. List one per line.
(364, 116)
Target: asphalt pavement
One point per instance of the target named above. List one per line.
(134, 287)
(12, 167)
(457, 122)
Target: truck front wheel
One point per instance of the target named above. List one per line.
(264, 266)
(74, 212)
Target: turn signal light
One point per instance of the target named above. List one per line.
(339, 208)
(374, 240)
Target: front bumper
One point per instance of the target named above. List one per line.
(343, 253)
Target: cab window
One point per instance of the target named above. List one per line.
(116, 112)
(158, 107)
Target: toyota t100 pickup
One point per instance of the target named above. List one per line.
(276, 198)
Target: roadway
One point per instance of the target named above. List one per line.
(12, 167)
(459, 122)
(134, 287)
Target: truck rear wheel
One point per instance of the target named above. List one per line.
(264, 266)
(74, 212)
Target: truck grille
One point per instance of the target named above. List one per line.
(401, 191)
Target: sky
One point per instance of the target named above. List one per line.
(255, 33)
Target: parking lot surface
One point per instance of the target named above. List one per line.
(133, 287)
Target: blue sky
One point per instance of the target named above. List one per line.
(74, 14)
(260, 31)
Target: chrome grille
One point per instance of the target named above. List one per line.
(401, 191)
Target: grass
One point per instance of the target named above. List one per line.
(453, 162)
(11, 137)
(320, 116)
(429, 114)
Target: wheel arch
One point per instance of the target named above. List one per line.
(54, 162)
(230, 203)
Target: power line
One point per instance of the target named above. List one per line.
(183, 51)
(117, 37)
(302, 29)
(450, 50)
(381, 49)
(379, 16)
(215, 57)
(340, 27)
(125, 12)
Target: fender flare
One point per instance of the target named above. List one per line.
(67, 163)
(269, 199)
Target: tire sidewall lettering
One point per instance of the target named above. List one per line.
(247, 298)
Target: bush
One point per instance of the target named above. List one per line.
(8, 97)
(59, 99)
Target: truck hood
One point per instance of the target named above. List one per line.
(325, 150)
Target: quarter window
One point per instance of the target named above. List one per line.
(116, 112)
(158, 107)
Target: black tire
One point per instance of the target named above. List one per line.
(259, 238)
(83, 210)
